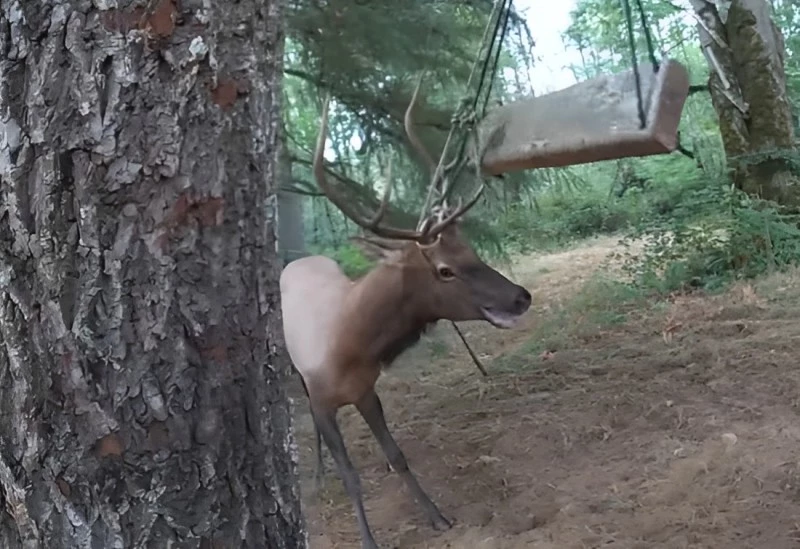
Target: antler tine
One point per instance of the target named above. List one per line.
(342, 203)
(412, 135)
(435, 230)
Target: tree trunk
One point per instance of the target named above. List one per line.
(291, 225)
(745, 50)
(141, 357)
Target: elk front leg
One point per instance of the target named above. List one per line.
(371, 410)
(325, 420)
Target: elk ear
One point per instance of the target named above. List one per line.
(378, 249)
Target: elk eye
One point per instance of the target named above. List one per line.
(446, 273)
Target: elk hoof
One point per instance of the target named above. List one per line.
(369, 543)
(319, 486)
(441, 524)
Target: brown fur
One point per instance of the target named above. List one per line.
(388, 310)
(341, 333)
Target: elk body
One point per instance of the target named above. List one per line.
(340, 332)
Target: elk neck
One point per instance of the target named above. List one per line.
(394, 306)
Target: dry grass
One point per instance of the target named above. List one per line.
(673, 426)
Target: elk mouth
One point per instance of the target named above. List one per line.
(500, 319)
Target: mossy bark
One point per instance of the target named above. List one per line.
(745, 50)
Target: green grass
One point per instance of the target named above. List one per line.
(601, 304)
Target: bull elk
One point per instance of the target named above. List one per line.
(340, 332)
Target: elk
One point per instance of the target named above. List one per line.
(340, 332)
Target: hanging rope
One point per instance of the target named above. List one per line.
(467, 118)
(648, 38)
(496, 61)
(464, 120)
(467, 112)
(651, 52)
(486, 63)
(635, 63)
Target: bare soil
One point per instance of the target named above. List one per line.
(676, 427)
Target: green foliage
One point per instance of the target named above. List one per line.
(354, 263)
(599, 31)
(349, 257)
(587, 216)
(560, 220)
(368, 56)
(712, 235)
(697, 231)
(560, 217)
(787, 18)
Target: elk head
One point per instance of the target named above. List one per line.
(448, 279)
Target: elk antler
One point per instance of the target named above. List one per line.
(437, 182)
(346, 206)
(457, 212)
(408, 123)
(373, 224)
(431, 231)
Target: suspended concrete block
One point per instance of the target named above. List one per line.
(594, 120)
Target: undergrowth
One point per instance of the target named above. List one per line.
(703, 234)
(713, 236)
(698, 231)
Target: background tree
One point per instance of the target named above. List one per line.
(746, 50)
(140, 346)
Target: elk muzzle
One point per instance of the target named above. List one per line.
(508, 315)
(494, 297)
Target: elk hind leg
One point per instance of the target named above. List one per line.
(320, 468)
(325, 420)
(371, 410)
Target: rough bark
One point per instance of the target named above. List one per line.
(745, 51)
(141, 358)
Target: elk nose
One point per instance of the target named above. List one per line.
(523, 300)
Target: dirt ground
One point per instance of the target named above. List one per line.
(674, 427)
